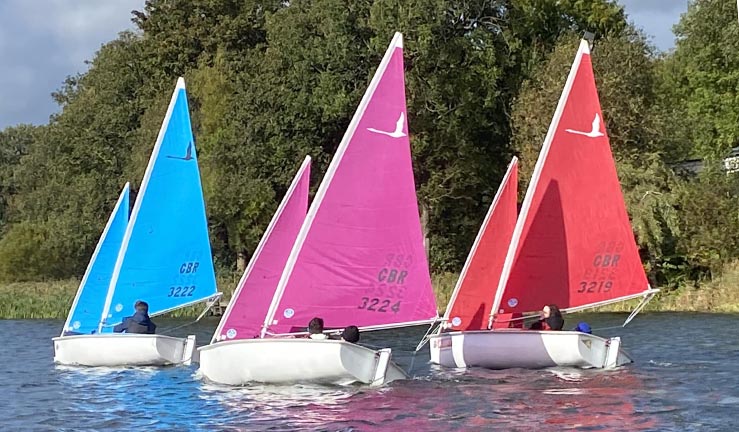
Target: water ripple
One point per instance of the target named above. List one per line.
(683, 380)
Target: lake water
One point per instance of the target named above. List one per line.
(685, 377)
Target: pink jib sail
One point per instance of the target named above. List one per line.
(244, 316)
(573, 244)
(359, 258)
(472, 299)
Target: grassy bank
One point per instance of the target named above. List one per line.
(53, 299)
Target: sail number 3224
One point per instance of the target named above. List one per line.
(379, 305)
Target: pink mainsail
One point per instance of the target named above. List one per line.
(360, 258)
(472, 299)
(245, 314)
(573, 244)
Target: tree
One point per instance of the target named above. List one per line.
(270, 82)
(14, 144)
(709, 205)
(704, 72)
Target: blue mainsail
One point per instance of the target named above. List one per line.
(165, 259)
(84, 315)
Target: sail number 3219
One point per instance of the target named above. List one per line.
(593, 287)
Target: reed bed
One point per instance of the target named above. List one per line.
(52, 299)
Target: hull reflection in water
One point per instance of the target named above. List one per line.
(503, 349)
(296, 360)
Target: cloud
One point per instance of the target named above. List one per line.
(44, 41)
(656, 18)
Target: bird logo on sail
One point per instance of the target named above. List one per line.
(594, 133)
(397, 133)
(188, 154)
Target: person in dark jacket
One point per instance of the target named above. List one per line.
(551, 319)
(139, 322)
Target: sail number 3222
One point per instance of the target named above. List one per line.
(379, 305)
(181, 291)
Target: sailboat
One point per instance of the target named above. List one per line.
(572, 245)
(358, 258)
(161, 255)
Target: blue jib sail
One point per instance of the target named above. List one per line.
(84, 315)
(165, 259)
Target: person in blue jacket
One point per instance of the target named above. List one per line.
(139, 322)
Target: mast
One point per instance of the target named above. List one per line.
(262, 242)
(526, 206)
(480, 233)
(590, 257)
(139, 199)
(318, 202)
(123, 197)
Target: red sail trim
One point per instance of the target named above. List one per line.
(573, 245)
(472, 299)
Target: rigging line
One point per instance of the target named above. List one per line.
(208, 306)
(413, 361)
(639, 308)
(605, 328)
(427, 336)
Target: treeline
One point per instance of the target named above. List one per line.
(272, 81)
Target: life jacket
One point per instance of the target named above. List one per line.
(136, 328)
(140, 323)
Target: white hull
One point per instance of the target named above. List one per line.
(528, 349)
(123, 349)
(279, 361)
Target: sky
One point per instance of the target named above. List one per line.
(44, 41)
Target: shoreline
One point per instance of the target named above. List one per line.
(52, 299)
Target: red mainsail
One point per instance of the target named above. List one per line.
(573, 244)
(472, 298)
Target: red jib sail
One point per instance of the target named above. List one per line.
(573, 244)
(472, 298)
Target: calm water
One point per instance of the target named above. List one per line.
(686, 377)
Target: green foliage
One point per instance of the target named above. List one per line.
(23, 255)
(709, 206)
(14, 144)
(272, 81)
(705, 75)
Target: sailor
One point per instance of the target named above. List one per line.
(550, 319)
(139, 322)
(315, 329)
(350, 334)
